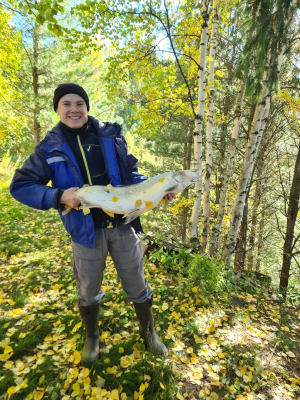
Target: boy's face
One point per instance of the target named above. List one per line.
(72, 111)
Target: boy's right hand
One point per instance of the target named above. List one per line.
(69, 198)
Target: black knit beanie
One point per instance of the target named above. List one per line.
(66, 88)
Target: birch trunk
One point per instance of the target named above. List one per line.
(186, 165)
(256, 202)
(244, 184)
(199, 119)
(209, 126)
(240, 254)
(35, 86)
(222, 204)
(293, 210)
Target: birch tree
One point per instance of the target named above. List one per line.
(209, 125)
(199, 118)
(231, 154)
(256, 201)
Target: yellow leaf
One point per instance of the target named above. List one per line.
(142, 388)
(76, 386)
(41, 380)
(247, 378)
(8, 349)
(125, 361)
(8, 364)
(194, 289)
(165, 306)
(84, 373)
(178, 395)
(161, 385)
(22, 335)
(11, 390)
(5, 357)
(112, 370)
(77, 357)
(197, 339)
(38, 394)
(114, 395)
(178, 345)
(232, 389)
(290, 354)
(219, 73)
(244, 369)
(100, 382)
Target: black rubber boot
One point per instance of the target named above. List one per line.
(90, 319)
(145, 317)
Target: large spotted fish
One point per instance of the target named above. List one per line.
(134, 200)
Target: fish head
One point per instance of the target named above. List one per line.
(186, 178)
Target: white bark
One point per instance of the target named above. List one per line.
(200, 116)
(209, 126)
(245, 177)
(232, 149)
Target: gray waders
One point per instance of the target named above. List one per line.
(145, 317)
(90, 319)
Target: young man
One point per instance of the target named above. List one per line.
(78, 151)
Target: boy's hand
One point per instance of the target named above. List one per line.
(69, 198)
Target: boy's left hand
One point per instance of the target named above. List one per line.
(169, 197)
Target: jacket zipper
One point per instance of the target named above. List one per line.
(84, 160)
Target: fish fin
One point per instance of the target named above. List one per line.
(66, 210)
(109, 213)
(131, 216)
(171, 188)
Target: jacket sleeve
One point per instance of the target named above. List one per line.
(29, 184)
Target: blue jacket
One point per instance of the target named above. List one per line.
(54, 161)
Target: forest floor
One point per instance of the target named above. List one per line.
(216, 350)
